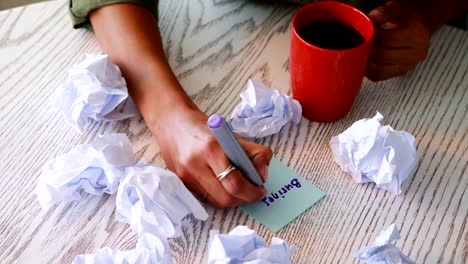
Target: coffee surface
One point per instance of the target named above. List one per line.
(331, 34)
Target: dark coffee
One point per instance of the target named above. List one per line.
(331, 34)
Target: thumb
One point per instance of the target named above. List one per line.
(379, 15)
(389, 13)
(259, 155)
(261, 161)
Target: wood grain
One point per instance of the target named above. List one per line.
(215, 47)
(5, 4)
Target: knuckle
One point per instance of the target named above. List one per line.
(373, 76)
(190, 161)
(184, 166)
(211, 149)
(268, 152)
(210, 143)
(182, 172)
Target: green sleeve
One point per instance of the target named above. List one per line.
(80, 9)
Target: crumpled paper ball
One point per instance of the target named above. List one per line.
(243, 245)
(149, 250)
(94, 168)
(383, 251)
(263, 111)
(94, 89)
(154, 200)
(370, 152)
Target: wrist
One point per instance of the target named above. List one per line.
(160, 109)
(159, 96)
(176, 123)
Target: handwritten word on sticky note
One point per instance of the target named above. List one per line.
(288, 196)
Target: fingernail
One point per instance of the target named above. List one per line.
(385, 26)
(388, 25)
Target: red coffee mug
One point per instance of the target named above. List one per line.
(326, 82)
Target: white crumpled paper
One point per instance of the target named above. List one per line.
(370, 152)
(94, 168)
(94, 89)
(149, 250)
(383, 251)
(263, 111)
(243, 245)
(154, 200)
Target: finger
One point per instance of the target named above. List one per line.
(235, 183)
(386, 56)
(238, 186)
(377, 72)
(197, 189)
(391, 12)
(205, 181)
(259, 155)
(402, 37)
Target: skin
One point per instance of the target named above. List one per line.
(400, 48)
(129, 34)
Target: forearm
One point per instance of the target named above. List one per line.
(436, 13)
(130, 35)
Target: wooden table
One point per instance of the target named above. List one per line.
(215, 47)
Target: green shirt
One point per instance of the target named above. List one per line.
(80, 9)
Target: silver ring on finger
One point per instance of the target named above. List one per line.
(225, 173)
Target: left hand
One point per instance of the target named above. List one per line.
(190, 149)
(401, 46)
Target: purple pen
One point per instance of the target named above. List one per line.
(233, 149)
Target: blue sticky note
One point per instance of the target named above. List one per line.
(288, 196)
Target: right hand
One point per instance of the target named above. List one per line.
(190, 150)
(401, 47)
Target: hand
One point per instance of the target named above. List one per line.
(401, 46)
(193, 153)
(187, 145)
